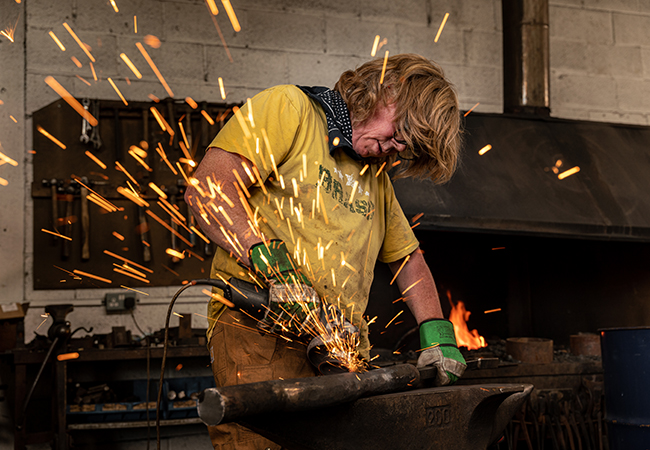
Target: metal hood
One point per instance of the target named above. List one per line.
(513, 188)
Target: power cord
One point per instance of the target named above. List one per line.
(216, 283)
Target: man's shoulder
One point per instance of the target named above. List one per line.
(289, 91)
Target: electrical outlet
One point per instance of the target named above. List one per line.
(119, 303)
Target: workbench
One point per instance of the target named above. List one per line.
(194, 359)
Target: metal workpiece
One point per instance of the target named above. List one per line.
(367, 411)
(233, 403)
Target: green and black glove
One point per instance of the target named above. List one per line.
(439, 349)
(292, 300)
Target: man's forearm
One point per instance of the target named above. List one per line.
(422, 295)
(218, 165)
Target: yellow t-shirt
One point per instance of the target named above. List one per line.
(335, 235)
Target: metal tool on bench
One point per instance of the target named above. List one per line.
(85, 126)
(376, 409)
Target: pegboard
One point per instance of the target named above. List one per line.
(130, 235)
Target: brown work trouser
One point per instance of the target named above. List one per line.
(241, 355)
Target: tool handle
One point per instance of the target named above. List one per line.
(55, 210)
(144, 235)
(65, 253)
(85, 225)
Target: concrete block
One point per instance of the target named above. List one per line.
(645, 62)
(631, 29)
(633, 95)
(356, 37)
(100, 17)
(594, 27)
(566, 2)
(251, 68)
(468, 14)
(614, 5)
(320, 70)
(341, 8)
(285, 31)
(483, 48)
(191, 22)
(618, 61)
(420, 40)
(46, 57)
(51, 14)
(580, 91)
(484, 84)
(177, 61)
(614, 117)
(569, 56)
(38, 94)
(411, 12)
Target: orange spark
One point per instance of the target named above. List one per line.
(166, 225)
(83, 80)
(56, 234)
(7, 159)
(78, 64)
(128, 62)
(154, 68)
(81, 44)
(177, 254)
(128, 194)
(135, 24)
(212, 6)
(157, 190)
(568, 173)
(231, 15)
(13, 118)
(9, 31)
(409, 288)
(101, 202)
(90, 275)
(118, 91)
(396, 316)
(128, 261)
(126, 172)
(50, 137)
(221, 88)
(383, 69)
(70, 100)
(416, 217)
(491, 311)
(191, 102)
(442, 25)
(159, 118)
(207, 117)
(57, 41)
(118, 235)
(94, 158)
(154, 98)
(219, 298)
(471, 109)
(67, 356)
(131, 289)
(373, 52)
(92, 69)
(484, 150)
(140, 160)
(380, 169)
(152, 41)
(400, 269)
(129, 274)
(114, 6)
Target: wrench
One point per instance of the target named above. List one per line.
(85, 126)
(94, 134)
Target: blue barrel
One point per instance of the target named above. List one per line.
(626, 364)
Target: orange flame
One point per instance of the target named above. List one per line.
(464, 337)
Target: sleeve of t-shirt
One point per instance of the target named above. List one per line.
(399, 240)
(265, 133)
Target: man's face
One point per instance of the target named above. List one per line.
(378, 137)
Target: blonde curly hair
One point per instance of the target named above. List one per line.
(427, 113)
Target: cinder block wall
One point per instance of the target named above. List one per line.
(599, 58)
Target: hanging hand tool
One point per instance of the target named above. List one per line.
(85, 221)
(94, 133)
(52, 184)
(85, 126)
(69, 199)
(173, 191)
(143, 231)
(173, 141)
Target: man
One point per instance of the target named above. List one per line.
(295, 191)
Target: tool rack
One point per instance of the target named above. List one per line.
(60, 202)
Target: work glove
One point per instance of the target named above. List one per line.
(333, 349)
(293, 303)
(439, 349)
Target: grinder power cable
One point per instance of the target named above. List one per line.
(257, 302)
